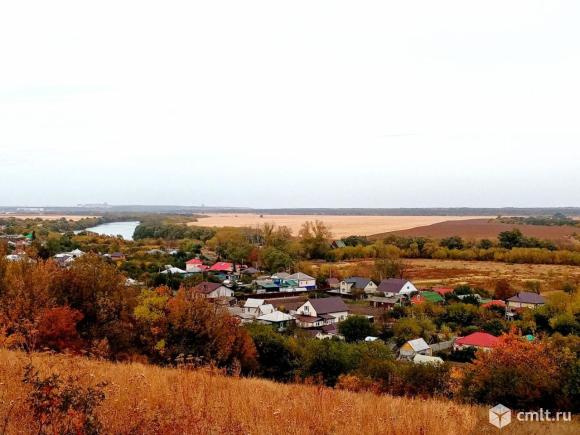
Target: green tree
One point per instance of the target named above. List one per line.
(356, 328)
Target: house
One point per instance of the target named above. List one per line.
(252, 305)
(304, 280)
(383, 302)
(478, 340)
(257, 307)
(427, 359)
(337, 244)
(279, 320)
(395, 286)
(332, 283)
(280, 275)
(427, 296)
(212, 290)
(525, 300)
(116, 256)
(169, 269)
(356, 284)
(316, 313)
(194, 265)
(250, 271)
(222, 266)
(414, 347)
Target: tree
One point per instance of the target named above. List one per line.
(453, 242)
(503, 289)
(275, 260)
(388, 263)
(517, 373)
(276, 355)
(485, 244)
(565, 324)
(511, 239)
(356, 328)
(199, 328)
(315, 238)
(57, 329)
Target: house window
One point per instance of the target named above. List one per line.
(306, 308)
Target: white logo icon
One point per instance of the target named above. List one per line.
(500, 416)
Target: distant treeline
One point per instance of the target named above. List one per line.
(437, 211)
(558, 219)
(510, 247)
(159, 230)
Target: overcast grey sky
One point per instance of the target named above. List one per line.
(290, 104)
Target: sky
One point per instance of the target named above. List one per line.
(290, 104)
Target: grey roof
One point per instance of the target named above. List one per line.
(250, 271)
(358, 282)
(328, 305)
(527, 298)
(392, 285)
(300, 276)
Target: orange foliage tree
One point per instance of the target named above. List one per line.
(57, 329)
(517, 373)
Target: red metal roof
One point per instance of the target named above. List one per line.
(494, 303)
(194, 261)
(222, 266)
(479, 339)
(443, 290)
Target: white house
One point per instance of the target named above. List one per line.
(279, 320)
(195, 265)
(395, 286)
(316, 313)
(252, 306)
(354, 283)
(303, 280)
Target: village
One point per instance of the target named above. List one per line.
(296, 303)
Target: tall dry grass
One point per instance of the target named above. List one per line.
(149, 399)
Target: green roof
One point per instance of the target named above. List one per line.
(432, 296)
(268, 285)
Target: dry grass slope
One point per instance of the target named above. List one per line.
(149, 399)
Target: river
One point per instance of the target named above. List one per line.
(124, 229)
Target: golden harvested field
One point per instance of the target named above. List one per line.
(46, 217)
(149, 399)
(427, 273)
(340, 226)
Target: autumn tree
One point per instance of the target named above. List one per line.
(25, 291)
(57, 329)
(503, 289)
(315, 239)
(202, 329)
(517, 373)
(388, 262)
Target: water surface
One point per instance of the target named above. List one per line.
(124, 229)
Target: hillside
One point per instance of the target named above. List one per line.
(148, 399)
(483, 229)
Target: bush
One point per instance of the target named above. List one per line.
(63, 407)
